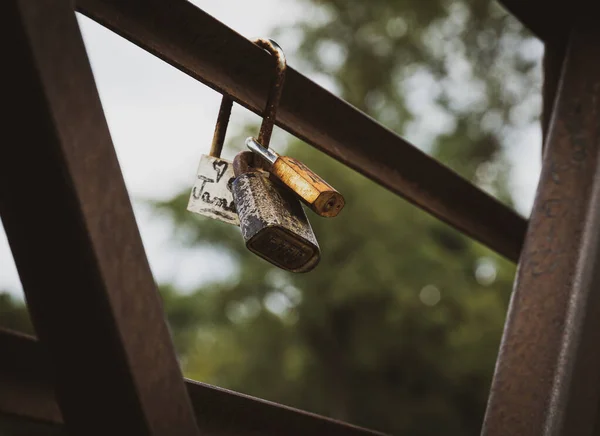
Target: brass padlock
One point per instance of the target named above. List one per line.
(211, 194)
(272, 220)
(317, 194)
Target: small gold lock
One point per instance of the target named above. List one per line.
(315, 192)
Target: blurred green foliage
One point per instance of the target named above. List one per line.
(398, 327)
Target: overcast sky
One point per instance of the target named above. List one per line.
(161, 121)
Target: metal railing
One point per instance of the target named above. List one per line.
(547, 378)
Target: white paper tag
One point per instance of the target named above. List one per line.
(211, 194)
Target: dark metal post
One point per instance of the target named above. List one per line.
(547, 379)
(72, 231)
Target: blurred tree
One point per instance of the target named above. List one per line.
(398, 327)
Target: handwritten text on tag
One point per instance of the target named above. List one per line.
(211, 194)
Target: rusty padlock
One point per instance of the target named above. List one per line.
(211, 194)
(317, 194)
(272, 220)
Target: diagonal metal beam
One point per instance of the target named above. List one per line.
(545, 19)
(550, 21)
(75, 242)
(26, 392)
(201, 46)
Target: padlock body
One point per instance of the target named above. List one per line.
(315, 192)
(211, 194)
(274, 224)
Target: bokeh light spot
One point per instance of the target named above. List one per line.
(430, 295)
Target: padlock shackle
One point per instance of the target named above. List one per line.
(266, 128)
(267, 154)
(221, 128)
(243, 162)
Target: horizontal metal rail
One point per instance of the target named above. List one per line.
(207, 50)
(27, 392)
(549, 20)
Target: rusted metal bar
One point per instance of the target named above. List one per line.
(545, 19)
(218, 411)
(554, 55)
(72, 232)
(201, 46)
(25, 387)
(547, 379)
(221, 128)
(549, 20)
(13, 426)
